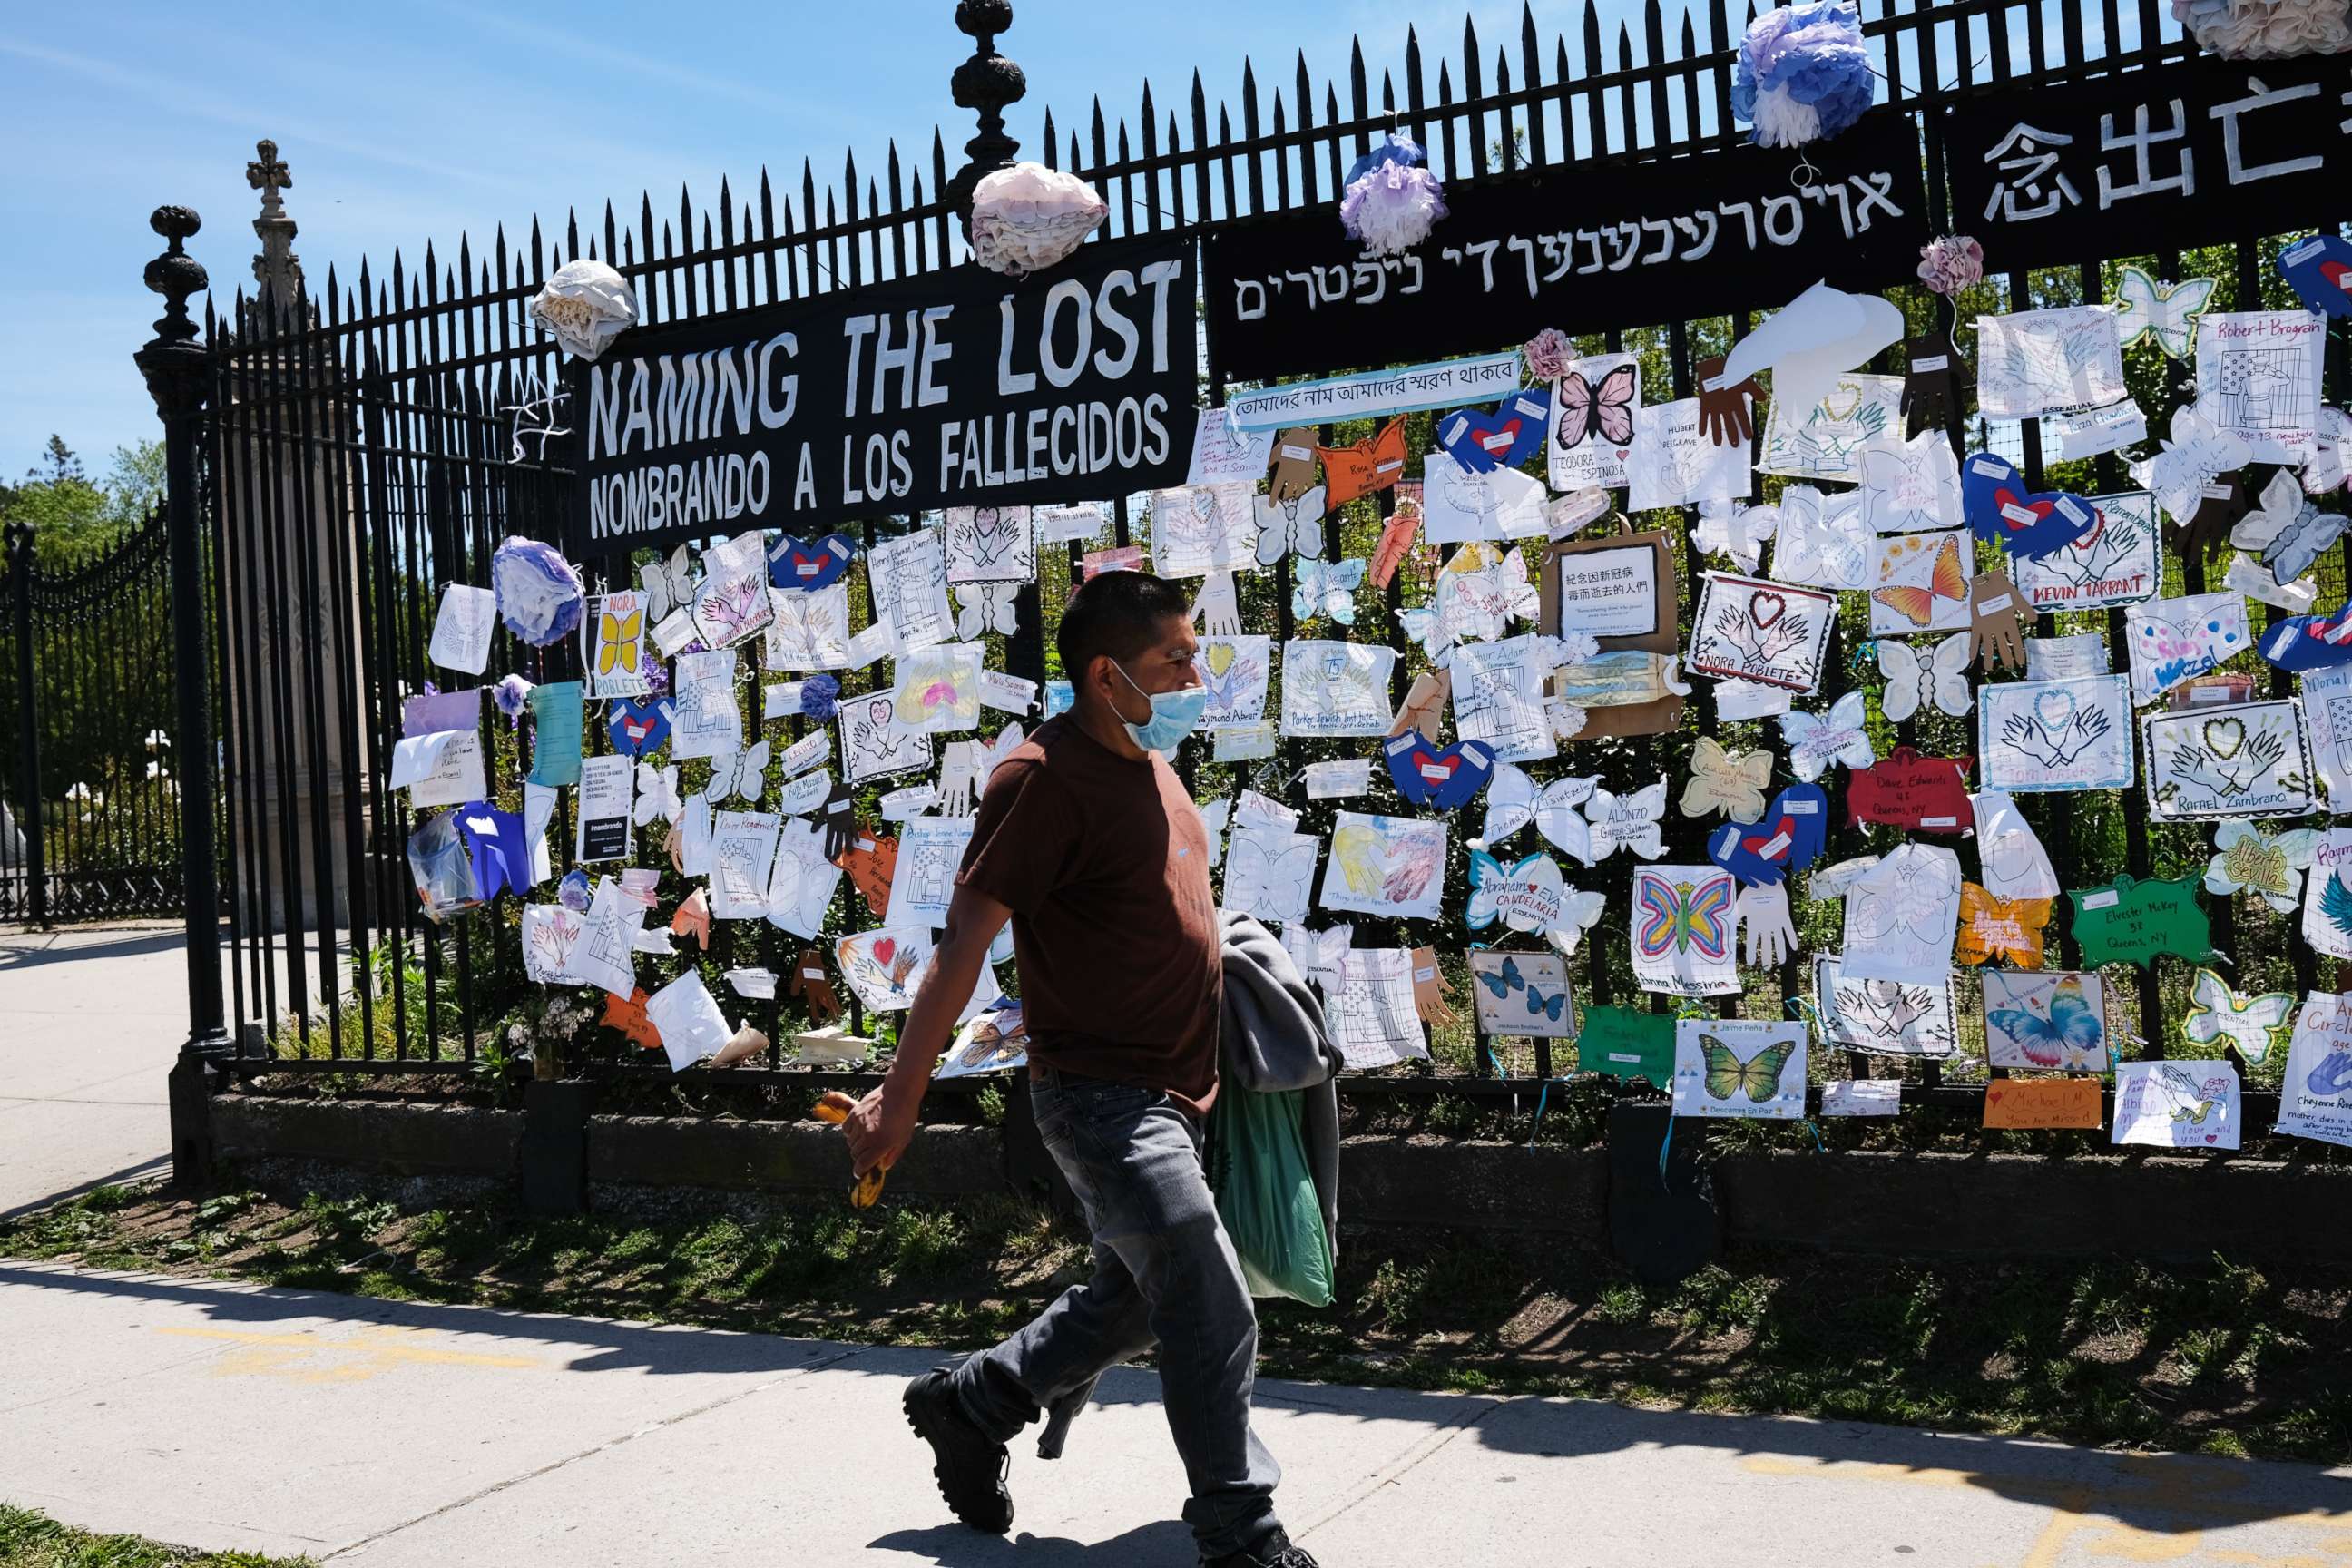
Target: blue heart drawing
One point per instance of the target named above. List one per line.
(1427, 773)
(1483, 440)
(810, 564)
(639, 725)
(2032, 523)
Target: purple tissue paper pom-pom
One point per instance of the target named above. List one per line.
(1392, 201)
(1802, 74)
(1548, 354)
(540, 595)
(574, 892)
(1950, 263)
(512, 696)
(820, 696)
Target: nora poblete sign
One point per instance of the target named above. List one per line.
(957, 388)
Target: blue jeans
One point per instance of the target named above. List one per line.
(1164, 1273)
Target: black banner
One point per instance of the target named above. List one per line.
(1583, 249)
(953, 389)
(2141, 162)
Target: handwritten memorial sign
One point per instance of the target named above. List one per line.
(1626, 1044)
(2037, 1102)
(2130, 921)
(1907, 790)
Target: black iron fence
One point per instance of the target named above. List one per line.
(364, 454)
(90, 807)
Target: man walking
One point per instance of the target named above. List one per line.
(1088, 841)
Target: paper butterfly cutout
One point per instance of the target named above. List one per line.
(1279, 880)
(1321, 955)
(1374, 463)
(2165, 651)
(1608, 408)
(1910, 485)
(1720, 782)
(1993, 927)
(1824, 539)
(739, 774)
(1614, 822)
(2310, 642)
(1911, 681)
(1482, 441)
(986, 607)
(1580, 911)
(2165, 313)
(2002, 510)
(1428, 625)
(1531, 884)
(809, 564)
(621, 643)
(1758, 1078)
(1440, 776)
(2072, 1029)
(1514, 800)
(2197, 454)
(657, 798)
(1919, 602)
(1672, 917)
(668, 584)
(1479, 595)
(1291, 527)
(2287, 530)
(1839, 735)
(2319, 270)
(639, 725)
(2248, 858)
(1327, 588)
(1736, 529)
(2252, 1024)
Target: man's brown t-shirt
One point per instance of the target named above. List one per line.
(1104, 863)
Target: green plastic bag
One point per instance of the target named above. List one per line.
(1266, 1195)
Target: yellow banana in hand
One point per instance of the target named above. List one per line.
(834, 1106)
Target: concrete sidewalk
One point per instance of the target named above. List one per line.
(401, 1435)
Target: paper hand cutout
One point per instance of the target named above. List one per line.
(813, 989)
(959, 778)
(1997, 621)
(840, 821)
(1430, 990)
(1221, 604)
(1936, 384)
(1293, 460)
(1725, 412)
(872, 862)
(1762, 911)
(1396, 539)
(2225, 505)
(693, 919)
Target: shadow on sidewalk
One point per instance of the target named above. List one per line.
(1164, 1544)
(159, 1165)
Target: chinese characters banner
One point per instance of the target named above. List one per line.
(2134, 162)
(1583, 249)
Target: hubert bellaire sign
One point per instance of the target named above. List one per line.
(959, 388)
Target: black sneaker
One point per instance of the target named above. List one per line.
(970, 1469)
(1276, 1551)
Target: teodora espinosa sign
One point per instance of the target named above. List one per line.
(953, 389)
(1582, 248)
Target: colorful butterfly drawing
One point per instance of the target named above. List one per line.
(1758, 1078)
(1920, 603)
(742, 773)
(2164, 313)
(1912, 682)
(2252, 1024)
(2071, 1036)
(1607, 408)
(620, 643)
(670, 585)
(2249, 859)
(1503, 982)
(987, 607)
(1720, 782)
(1682, 917)
(1993, 927)
(1546, 1007)
(1327, 588)
(2286, 530)
(1840, 735)
(2174, 639)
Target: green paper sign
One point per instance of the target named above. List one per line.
(2130, 921)
(1626, 1044)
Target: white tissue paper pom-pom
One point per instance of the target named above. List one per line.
(1392, 201)
(586, 305)
(2267, 30)
(1027, 217)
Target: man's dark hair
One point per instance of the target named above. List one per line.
(1118, 612)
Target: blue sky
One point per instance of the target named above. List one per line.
(428, 118)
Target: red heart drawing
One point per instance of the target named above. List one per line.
(1502, 437)
(2005, 497)
(1779, 603)
(809, 565)
(1785, 830)
(2336, 272)
(884, 949)
(1432, 769)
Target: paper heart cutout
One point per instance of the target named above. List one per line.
(1993, 495)
(2318, 272)
(2224, 736)
(1756, 604)
(639, 725)
(1427, 773)
(810, 564)
(1484, 439)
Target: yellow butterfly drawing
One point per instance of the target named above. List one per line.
(620, 643)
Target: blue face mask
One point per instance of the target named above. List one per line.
(1174, 714)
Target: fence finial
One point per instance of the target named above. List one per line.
(276, 266)
(173, 361)
(986, 84)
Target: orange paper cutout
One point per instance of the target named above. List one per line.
(629, 1017)
(1396, 539)
(693, 919)
(1371, 464)
(871, 862)
(2030, 1102)
(1993, 927)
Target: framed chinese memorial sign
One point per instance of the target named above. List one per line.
(2133, 162)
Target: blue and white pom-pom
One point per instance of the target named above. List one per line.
(1393, 201)
(1803, 73)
